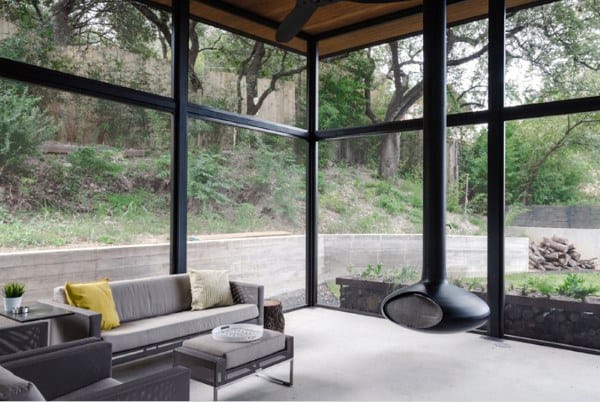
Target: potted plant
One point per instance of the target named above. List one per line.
(13, 295)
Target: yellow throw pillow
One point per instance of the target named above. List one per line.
(210, 289)
(95, 296)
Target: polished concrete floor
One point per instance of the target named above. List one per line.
(342, 356)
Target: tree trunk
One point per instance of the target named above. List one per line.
(60, 22)
(256, 62)
(195, 81)
(389, 155)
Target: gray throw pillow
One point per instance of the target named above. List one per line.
(13, 388)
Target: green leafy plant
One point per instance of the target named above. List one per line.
(209, 180)
(13, 289)
(545, 288)
(372, 271)
(475, 284)
(95, 164)
(459, 282)
(538, 285)
(406, 275)
(23, 127)
(573, 286)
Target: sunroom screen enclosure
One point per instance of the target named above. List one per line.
(318, 133)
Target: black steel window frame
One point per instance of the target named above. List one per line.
(181, 109)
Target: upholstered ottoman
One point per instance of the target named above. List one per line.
(219, 363)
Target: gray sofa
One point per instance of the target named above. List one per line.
(155, 315)
(82, 371)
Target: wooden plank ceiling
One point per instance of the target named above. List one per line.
(339, 27)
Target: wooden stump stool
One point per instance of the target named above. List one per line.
(274, 315)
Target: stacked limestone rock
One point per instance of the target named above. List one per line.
(557, 254)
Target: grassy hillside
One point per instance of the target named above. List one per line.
(97, 196)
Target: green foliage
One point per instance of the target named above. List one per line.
(539, 285)
(406, 275)
(471, 284)
(334, 201)
(134, 206)
(394, 197)
(278, 178)
(23, 128)
(209, 180)
(13, 289)
(95, 164)
(342, 87)
(372, 271)
(574, 286)
(542, 167)
(334, 289)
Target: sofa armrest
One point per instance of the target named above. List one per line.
(62, 371)
(249, 293)
(20, 337)
(83, 324)
(172, 384)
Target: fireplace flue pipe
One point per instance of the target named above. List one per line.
(432, 304)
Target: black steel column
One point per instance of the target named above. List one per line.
(496, 179)
(180, 49)
(312, 166)
(434, 140)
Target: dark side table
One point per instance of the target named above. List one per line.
(37, 312)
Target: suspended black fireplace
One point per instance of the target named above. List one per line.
(434, 305)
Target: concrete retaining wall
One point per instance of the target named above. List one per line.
(277, 262)
(466, 255)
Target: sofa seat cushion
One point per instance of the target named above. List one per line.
(81, 393)
(238, 353)
(135, 334)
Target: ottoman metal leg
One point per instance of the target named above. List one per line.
(260, 373)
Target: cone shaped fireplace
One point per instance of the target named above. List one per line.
(433, 305)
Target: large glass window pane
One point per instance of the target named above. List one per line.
(84, 189)
(552, 52)
(246, 208)
(552, 184)
(246, 76)
(370, 222)
(466, 215)
(120, 42)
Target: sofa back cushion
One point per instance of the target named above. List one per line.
(136, 299)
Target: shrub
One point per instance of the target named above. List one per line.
(23, 127)
(573, 286)
(278, 179)
(209, 180)
(539, 285)
(372, 272)
(406, 275)
(94, 164)
(13, 289)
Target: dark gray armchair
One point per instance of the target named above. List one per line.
(82, 370)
